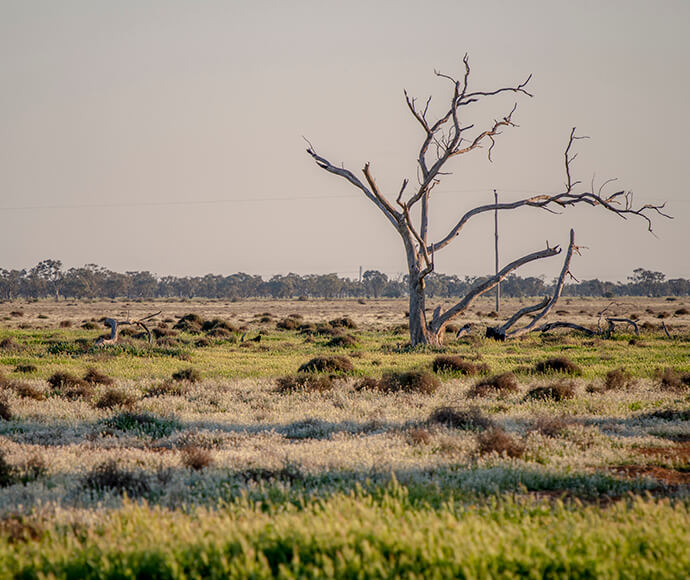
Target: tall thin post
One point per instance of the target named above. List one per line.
(498, 286)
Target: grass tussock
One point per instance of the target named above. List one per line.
(558, 391)
(70, 387)
(616, 380)
(7, 471)
(331, 364)
(457, 364)
(498, 441)
(196, 458)
(559, 364)
(308, 382)
(96, 377)
(465, 419)
(28, 391)
(414, 381)
(10, 345)
(503, 383)
(109, 476)
(344, 322)
(288, 323)
(190, 323)
(188, 375)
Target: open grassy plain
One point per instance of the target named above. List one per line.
(206, 453)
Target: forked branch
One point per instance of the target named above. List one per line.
(115, 328)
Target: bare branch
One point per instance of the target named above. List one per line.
(491, 282)
(393, 216)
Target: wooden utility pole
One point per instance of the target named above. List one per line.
(498, 286)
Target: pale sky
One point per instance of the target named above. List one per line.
(167, 135)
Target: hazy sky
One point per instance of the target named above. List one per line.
(167, 135)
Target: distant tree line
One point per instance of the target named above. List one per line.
(49, 279)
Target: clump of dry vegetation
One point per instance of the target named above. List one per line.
(615, 380)
(69, 386)
(7, 471)
(115, 398)
(342, 341)
(457, 364)
(288, 323)
(336, 363)
(414, 381)
(168, 388)
(418, 436)
(503, 383)
(309, 382)
(550, 426)
(27, 390)
(559, 364)
(109, 476)
(6, 413)
(96, 377)
(189, 323)
(496, 440)
(196, 458)
(344, 322)
(558, 391)
(466, 419)
(673, 380)
(189, 375)
(10, 345)
(26, 369)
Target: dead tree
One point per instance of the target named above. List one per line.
(445, 138)
(115, 328)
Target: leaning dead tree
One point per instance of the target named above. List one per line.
(445, 138)
(115, 328)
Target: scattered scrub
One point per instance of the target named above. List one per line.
(336, 363)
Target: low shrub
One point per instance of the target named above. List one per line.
(342, 341)
(336, 363)
(457, 364)
(27, 390)
(344, 322)
(96, 377)
(189, 323)
(216, 324)
(415, 381)
(418, 436)
(115, 398)
(26, 369)
(70, 387)
(65, 323)
(196, 458)
(10, 345)
(6, 413)
(287, 324)
(305, 382)
(367, 384)
(109, 476)
(496, 440)
(559, 364)
(503, 383)
(168, 388)
(89, 325)
(142, 424)
(618, 379)
(555, 392)
(465, 419)
(189, 375)
(682, 312)
(550, 426)
(60, 380)
(673, 380)
(7, 471)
